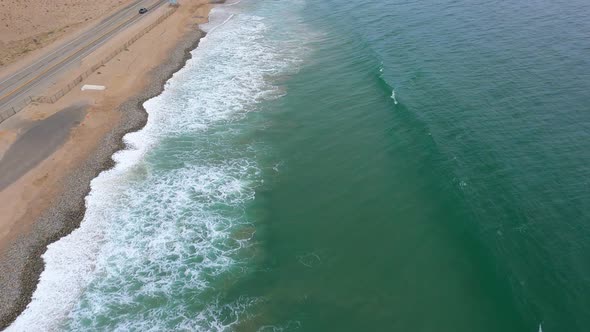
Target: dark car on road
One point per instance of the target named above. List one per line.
(143, 10)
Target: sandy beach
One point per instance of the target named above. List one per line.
(50, 152)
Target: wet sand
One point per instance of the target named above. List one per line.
(38, 143)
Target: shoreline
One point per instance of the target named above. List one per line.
(23, 258)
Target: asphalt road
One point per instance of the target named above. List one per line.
(30, 81)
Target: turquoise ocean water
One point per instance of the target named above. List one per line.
(348, 166)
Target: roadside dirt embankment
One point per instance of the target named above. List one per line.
(27, 25)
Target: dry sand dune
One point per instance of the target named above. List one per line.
(26, 25)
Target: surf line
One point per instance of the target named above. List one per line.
(381, 70)
(393, 96)
(234, 3)
(226, 20)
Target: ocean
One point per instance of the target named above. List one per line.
(347, 166)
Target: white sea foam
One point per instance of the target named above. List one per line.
(233, 3)
(393, 96)
(161, 225)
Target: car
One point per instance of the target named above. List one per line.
(143, 10)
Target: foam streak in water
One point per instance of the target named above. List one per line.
(393, 96)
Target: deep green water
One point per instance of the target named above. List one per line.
(282, 185)
(462, 208)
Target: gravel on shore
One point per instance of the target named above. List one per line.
(21, 264)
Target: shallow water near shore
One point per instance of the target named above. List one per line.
(336, 166)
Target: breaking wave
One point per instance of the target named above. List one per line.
(166, 228)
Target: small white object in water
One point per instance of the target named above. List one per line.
(393, 96)
(93, 87)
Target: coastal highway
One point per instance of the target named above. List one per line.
(31, 80)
